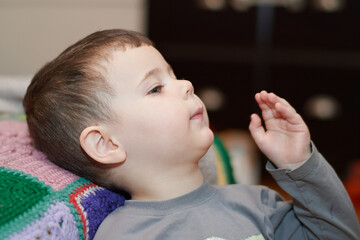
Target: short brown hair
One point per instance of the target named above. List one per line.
(69, 94)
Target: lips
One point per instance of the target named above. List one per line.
(198, 114)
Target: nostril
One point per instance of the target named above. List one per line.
(189, 92)
(187, 88)
(190, 88)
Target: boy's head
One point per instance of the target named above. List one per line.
(70, 93)
(111, 100)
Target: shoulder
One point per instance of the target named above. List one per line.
(256, 197)
(241, 191)
(120, 223)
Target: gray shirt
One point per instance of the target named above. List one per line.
(321, 209)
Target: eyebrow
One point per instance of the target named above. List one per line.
(152, 72)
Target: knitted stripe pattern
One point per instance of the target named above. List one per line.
(57, 223)
(39, 200)
(17, 152)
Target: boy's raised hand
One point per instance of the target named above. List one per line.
(286, 139)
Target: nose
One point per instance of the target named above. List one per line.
(188, 88)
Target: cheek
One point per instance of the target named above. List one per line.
(158, 129)
(206, 118)
(205, 114)
(160, 120)
(168, 119)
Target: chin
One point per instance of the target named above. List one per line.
(209, 140)
(207, 146)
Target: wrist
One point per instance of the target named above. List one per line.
(291, 166)
(295, 165)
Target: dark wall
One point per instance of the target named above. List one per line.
(298, 55)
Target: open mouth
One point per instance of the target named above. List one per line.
(198, 114)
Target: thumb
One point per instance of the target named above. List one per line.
(256, 129)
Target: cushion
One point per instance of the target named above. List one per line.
(39, 200)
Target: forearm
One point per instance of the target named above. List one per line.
(320, 201)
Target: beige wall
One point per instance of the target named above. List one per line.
(35, 31)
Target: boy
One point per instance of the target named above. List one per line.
(110, 109)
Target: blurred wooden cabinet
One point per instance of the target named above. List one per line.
(299, 55)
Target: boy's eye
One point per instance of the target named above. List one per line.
(156, 89)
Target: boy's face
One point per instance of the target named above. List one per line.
(160, 117)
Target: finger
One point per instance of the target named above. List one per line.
(287, 112)
(256, 129)
(262, 100)
(273, 98)
(263, 97)
(267, 106)
(258, 99)
(262, 105)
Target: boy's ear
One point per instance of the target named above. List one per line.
(99, 145)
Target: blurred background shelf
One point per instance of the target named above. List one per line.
(310, 56)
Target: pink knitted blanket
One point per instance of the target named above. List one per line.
(40, 200)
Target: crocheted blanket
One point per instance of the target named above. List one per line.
(42, 201)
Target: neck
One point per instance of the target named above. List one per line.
(168, 185)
